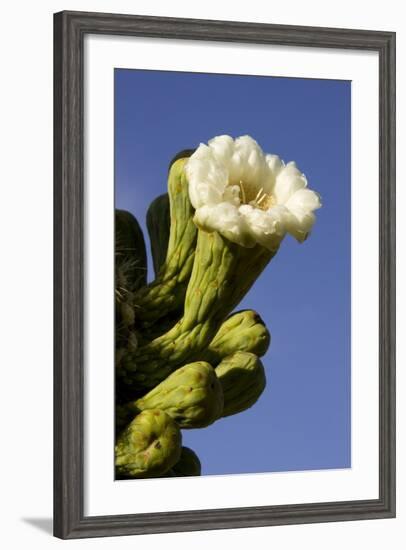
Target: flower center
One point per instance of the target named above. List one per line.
(258, 199)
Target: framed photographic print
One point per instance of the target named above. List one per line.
(224, 274)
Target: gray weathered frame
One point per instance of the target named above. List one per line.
(69, 31)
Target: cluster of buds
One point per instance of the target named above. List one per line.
(184, 357)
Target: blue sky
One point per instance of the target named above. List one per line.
(302, 420)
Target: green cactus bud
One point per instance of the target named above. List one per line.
(191, 395)
(242, 377)
(149, 446)
(188, 464)
(223, 272)
(242, 331)
(158, 225)
(130, 253)
(166, 294)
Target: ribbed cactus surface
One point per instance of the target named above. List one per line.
(183, 358)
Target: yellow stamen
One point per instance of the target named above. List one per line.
(244, 200)
(262, 200)
(258, 194)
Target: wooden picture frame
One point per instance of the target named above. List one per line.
(70, 29)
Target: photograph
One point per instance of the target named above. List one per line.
(232, 295)
(224, 274)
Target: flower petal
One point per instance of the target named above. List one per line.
(222, 148)
(207, 194)
(227, 174)
(302, 202)
(288, 181)
(248, 164)
(267, 227)
(275, 164)
(232, 194)
(300, 228)
(225, 219)
(203, 170)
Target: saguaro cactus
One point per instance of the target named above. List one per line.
(184, 359)
(222, 274)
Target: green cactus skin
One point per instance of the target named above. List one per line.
(167, 292)
(159, 221)
(158, 225)
(130, 252)
(149, 446)
(223, 272)
(192, 396)
(188, 465)
(242, 376)
(242, 331)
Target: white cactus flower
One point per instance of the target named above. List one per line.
(247, 196)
